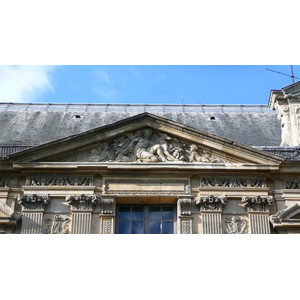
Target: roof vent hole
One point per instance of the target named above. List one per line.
(212, 118)
(77, 117)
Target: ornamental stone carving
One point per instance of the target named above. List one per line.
(57, 225)
(60, 181)
(3, 182)
(146, 146)
(185, 207)
(231, 182)
(236, 225)
(258, 203)
(211, 203)
(107, 205)
(82, 202)
(33, 201)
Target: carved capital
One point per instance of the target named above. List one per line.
(236, 225)
(82, 202)
(33, 201)
(258, 203)
(211, 203)
(107, 205)
(185, 206)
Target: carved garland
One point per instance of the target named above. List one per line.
(231, 182)
(59, 181)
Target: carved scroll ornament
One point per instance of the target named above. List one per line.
(33, 201)
(145, 146)
(185, 207)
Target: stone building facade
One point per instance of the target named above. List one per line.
(185, 169)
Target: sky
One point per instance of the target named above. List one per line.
(143, 84)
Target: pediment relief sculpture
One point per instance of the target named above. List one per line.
(146, 146)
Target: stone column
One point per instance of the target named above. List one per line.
(211, 210)
(184, 207)
(107, 215)
(32, 212)
(82, 209)
(259, 214)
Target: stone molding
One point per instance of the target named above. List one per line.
(230, 182)
(184, 183)
(59, 181)
(33, 201)
(82, 202)
(258, 203)
(211, 203)
(236, 225)
(57, 225)
(287, 218)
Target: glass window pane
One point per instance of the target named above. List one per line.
(124, 213)
(167, 227)
(124, 227)
(137, 213)
(137, 227)
(154, 213)
(167, 213)
(154, 227)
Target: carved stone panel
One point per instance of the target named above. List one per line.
(232, 182)
(59, 181)
(146, 146)
(57, 225)
(236, 225)
(185, 206)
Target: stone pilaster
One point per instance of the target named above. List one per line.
(107, 215)
(32, 212)
(211, 210)
(184, 207)
(259, 213)
(82, 209)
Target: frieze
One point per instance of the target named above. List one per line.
(236, 225)
(82, 202)
(3, 182)
(33, 201)
(257, 203)
(232, 182)
(59, 181)
(57, 225)
(146, 146)
(186, 188)
(211, 202)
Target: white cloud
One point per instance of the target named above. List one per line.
(101, 74)
(108, 93)
(161, 77)
(24, 83)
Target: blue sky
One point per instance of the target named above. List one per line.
(144, 84)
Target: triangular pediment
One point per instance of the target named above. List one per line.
(145, 138)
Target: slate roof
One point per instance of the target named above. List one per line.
(24, 125)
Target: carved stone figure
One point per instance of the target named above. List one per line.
(144, 146)
(57, 225)
(236, 225)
